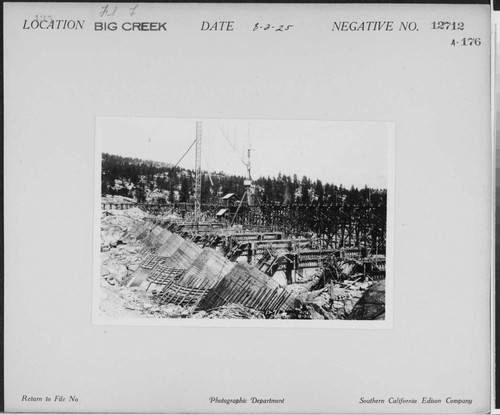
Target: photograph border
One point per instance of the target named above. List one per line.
(387, 323)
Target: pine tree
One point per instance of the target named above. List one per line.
(304, 184)
(184, 192)
(318, 188)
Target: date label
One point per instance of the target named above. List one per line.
(275, 28)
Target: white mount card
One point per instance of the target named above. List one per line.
(252, 208)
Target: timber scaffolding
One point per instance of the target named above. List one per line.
(203, 273)
(270, 252)
(340, 225)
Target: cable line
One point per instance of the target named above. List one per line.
(234, 149)
(184, 155)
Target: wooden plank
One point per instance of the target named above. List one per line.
(276, 298)
(187, 294)
(267, 294)
(242, 291)
(264, 306)
(285, 297)
(257, 297)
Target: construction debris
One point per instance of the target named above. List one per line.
(230, 311)
(159, 267)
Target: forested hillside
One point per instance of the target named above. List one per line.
(149, 181)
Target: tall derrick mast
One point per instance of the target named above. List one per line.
(197, 183)
(249, 183)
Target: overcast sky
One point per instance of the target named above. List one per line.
(347, 153)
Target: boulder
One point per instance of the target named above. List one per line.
(171, 310)
(371, 305)
(111, 235)
(116, 271)
(348, 306)
(200, 314)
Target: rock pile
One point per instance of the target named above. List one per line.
(230, 311)
(332, 302)
(114, 223)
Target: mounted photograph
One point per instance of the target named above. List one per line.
(225, 219)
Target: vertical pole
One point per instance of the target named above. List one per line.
(289, 268)
(197, 187)
(250, 251)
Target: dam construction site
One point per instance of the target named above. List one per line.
(163, 266)
(243, 256)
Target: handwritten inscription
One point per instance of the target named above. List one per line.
(108, 11)
(275, 28)
(112, 16)
(466, 41)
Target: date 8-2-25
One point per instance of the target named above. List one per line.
(277, 28)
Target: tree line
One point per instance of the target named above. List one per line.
(145, 180)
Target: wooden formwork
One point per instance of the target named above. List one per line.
(170, 245)
(144, 269)
(143, 232)
(163, 237)
(250, 287)
(184, 255)
(149, 241)
(155, 240)
(207, 269)
(176, 293)
(161, 275)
